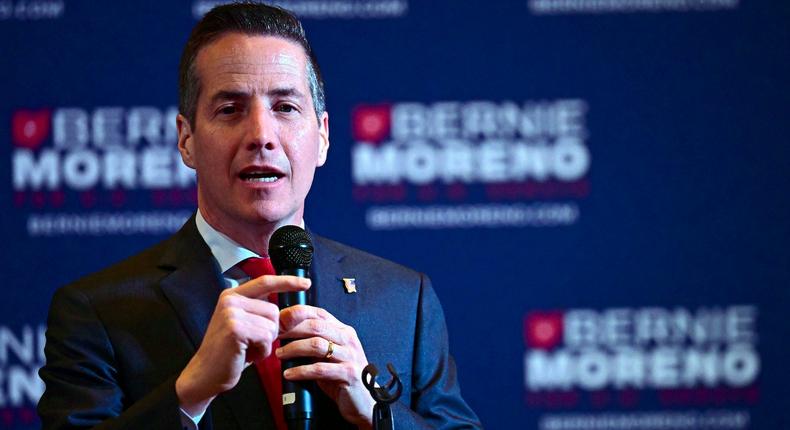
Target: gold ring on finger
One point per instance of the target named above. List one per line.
(330, 350)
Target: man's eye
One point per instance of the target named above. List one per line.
(285, 108)
(228, 110)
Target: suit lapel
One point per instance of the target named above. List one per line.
(195, 282)
(329, 292)
(193, 288)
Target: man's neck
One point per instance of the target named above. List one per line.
(254, 237)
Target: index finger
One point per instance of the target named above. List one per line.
(262, 286)
(291, 316)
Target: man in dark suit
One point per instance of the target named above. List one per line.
(165, 338)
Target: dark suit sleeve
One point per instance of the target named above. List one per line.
(81, 376)
(436, 401)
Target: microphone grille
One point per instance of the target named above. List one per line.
(290, 247)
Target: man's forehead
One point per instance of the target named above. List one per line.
(261, 57)
(236, 53)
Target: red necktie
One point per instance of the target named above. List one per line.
(269, 370)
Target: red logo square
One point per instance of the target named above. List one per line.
(543, 329)
(30, 128)
(371, 123)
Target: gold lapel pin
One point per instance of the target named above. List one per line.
(350, 284)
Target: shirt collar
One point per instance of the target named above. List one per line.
(226, 251)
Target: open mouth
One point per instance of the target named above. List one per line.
(259, 176)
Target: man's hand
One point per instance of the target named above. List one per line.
(241, 329)
(339, 376)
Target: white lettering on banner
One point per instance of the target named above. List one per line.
(32, 10)
(27, 347)
(81, 170)
(106, 127)
(553, 7)
(21, 386)
(656, 325)
(21, 355)
(105, 223)
(325, 9)
(32, 174)
(148, 123)
(472, 142)
(120, 169)
(652, 420)
(114, 147)
(471, 216)
(107, 123)
(150, 168)
(484, 119)
(487, 162)
(642, 348)
(595, 369)
(92, 157)
(70, 129)
(449, 152)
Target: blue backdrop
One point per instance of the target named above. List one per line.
(598, 189)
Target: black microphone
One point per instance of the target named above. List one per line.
(291, 252)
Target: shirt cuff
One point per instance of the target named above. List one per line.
(189, 422)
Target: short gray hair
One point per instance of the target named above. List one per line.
(247, 18)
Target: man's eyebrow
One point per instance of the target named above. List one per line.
(228, 95)
(285, 92)
(274, 92)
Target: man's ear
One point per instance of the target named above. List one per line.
(323, 136)
(186, 144)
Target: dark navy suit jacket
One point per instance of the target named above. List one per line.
(117, 340)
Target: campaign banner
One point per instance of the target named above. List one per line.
(596, 188)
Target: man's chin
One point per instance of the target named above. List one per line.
(276, 217)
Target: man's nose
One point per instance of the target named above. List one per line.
(262, 132)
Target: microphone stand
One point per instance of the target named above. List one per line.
(382, 414)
